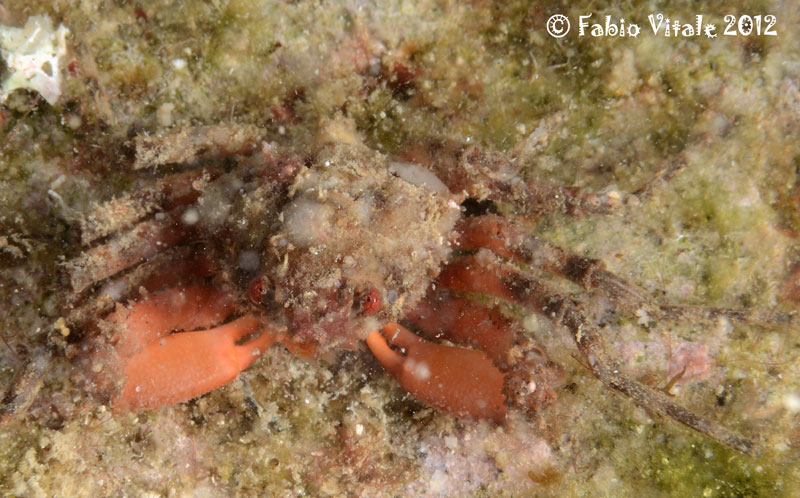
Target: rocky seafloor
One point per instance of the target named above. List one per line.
(601, 113)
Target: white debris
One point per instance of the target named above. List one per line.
(164, 114)
(32, 54)
(642, 317)
(419, 176)
(792, 402)
(418, 369)
(190, 217)
(179, 64)
(113, 289)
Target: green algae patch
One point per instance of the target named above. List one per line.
(688, 469)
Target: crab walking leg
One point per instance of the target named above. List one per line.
(607, 370)
(24, 387)
(492, 175)
(454, 379)
(141, 242)
(194, 144)
(123, 212)
(510, 241)
(173, 267)
(486, 274)
(182, 366)
(501, 174)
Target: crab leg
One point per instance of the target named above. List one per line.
(194, 144)
(176, 266)
(486, 274)
(123, 212)
(455, 379)
(143, 241)
(511, 242)
(491, 175)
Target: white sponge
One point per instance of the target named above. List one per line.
(33, 54)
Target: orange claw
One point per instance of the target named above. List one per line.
(182, 366)
(161, 369)
(454, 379)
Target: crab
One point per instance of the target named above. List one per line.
(187, 282)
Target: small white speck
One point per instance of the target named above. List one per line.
(643, 318)
(113, 290)
(359, 429)
(179, 64)
(792, 402)
(74, 121)
(419, 370)
(190, 216)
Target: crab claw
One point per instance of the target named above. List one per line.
(161, 369)
(454, 379)
(182, 366)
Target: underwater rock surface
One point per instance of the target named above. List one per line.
(603, 113)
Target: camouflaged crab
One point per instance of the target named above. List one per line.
(318, 250)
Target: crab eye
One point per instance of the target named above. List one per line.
(371, 301)
(258, 290)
